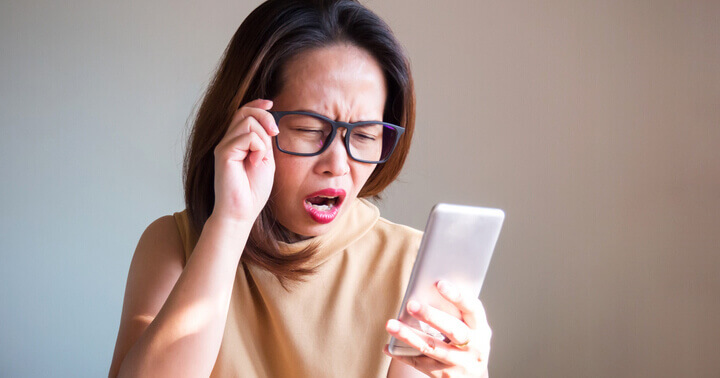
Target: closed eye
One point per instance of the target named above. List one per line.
(365, 136)
(307, 130)
(369, 137)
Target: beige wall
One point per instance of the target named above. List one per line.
(596, 126)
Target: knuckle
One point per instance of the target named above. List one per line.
(268, 118)
(426, 349)
(240, 112)
(469, 303)
(257, 140)
(441, 353)
(430, 347)
(477, 306)
(240, 116)
(464, 371)
(249, 122)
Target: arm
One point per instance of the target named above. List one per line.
(173, 318)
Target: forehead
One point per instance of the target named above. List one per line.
(339, 81)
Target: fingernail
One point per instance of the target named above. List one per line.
(392, 325)
(413, 306)
(446, 288)
(442, 286)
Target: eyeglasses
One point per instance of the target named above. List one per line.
(310, 134)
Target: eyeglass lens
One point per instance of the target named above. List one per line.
(306, 134)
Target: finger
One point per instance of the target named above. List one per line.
(470, 307)
(450, 326)
(244, 147)
(424, 364)
(261, 114)
(258, 150)
(242, 112)
(423, 343)
(259, 103)
(249, 125)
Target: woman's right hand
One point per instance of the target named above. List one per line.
(244, 164)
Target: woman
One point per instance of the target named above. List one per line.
(278, 266)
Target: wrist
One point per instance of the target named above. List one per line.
(232, 216)
(228, 234)
(229, 226)
(229, 223)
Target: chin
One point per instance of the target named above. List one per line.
(309, 227)
(313, 231)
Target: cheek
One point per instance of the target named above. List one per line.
(362, 174)
(290, 172)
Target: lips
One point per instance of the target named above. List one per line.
(324, 205)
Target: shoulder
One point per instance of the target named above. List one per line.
(159, 244)
(163, 232)
(156, 266)
(163, 225)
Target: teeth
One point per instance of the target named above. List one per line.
(329, 203)
(321, 207)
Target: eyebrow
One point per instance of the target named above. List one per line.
(334, 119)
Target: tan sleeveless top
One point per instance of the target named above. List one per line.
(333, 325)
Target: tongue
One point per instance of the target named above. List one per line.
(318, 200)
(322, 201)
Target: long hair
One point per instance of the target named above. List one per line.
(252, 67)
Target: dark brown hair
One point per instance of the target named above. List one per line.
(252, 67)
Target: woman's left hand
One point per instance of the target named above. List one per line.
(467, 348)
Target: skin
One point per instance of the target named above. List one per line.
(343, 83)
(468, 349)
(174, 311)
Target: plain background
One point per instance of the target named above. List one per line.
(594, 124)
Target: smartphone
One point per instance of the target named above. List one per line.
(457, 246)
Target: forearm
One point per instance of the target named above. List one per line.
(185, 336)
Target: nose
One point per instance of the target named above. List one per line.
(335, 160)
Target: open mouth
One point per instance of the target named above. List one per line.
(323, 206)
(323, 203)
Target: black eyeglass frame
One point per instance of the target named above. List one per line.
(335, 126)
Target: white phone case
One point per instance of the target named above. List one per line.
(457, 246)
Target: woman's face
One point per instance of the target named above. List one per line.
(343, 83)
